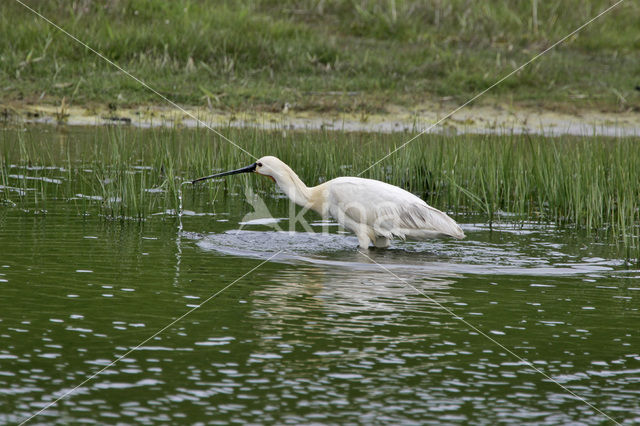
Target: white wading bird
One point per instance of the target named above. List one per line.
(375, 211)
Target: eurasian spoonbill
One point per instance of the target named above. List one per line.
(375, 211)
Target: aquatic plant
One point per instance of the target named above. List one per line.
(582, 182)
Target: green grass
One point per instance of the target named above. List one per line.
(583, 183)
(333, 55)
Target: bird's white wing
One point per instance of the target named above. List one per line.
(387, 211)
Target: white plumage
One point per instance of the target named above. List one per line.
(378, 212)
(375, 211)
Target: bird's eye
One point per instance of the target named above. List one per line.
(259, 164)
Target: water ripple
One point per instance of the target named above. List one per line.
(434, 258)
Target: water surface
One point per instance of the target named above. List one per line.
(319, 334)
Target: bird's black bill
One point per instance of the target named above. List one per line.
(248, 169)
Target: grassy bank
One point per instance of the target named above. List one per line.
(585, 183)
(334, 55)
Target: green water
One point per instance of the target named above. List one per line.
(317, 334)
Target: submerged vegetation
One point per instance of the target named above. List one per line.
(123, 173)
(333, 55)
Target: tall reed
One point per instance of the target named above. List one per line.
(583, 182)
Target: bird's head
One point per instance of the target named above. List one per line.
(269, 166)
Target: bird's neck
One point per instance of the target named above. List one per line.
(294, 188)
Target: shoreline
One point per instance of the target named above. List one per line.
(493, 119)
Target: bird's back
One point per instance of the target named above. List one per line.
(388, 211)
